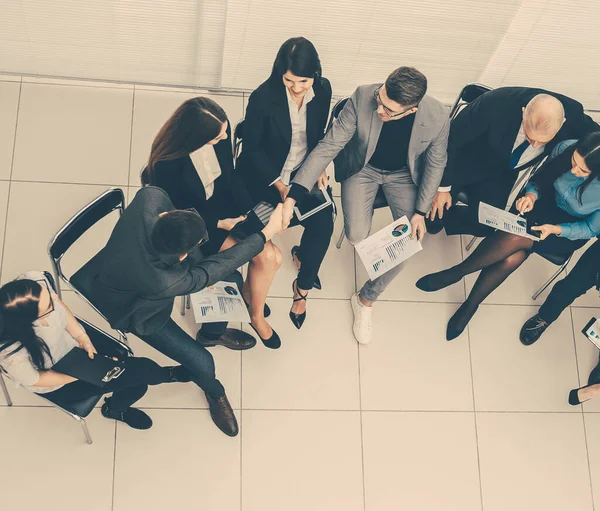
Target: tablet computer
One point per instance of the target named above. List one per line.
(314, 202)
(592, 331)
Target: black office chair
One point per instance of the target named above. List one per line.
(380, 201)
(102, 206)
(105, 344)
(238, 135)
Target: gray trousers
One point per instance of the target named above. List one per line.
(358, 197)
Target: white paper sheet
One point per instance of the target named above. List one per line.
(388, 247)
(221, 302)
(503, 221)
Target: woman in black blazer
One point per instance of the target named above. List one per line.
(196, 127)
(285, 119)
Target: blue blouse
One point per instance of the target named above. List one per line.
(567, 199)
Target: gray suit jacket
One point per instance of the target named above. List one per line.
(134, 286)
(352, 140)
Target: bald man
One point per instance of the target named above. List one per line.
(493, 144)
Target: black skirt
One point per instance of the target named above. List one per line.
(546, 211)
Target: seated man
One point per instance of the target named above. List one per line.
(152, 256)
(494, 138)
(388, 135)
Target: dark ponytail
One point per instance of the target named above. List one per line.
(19, 301)
(588, 148)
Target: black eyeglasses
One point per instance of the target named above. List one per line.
(206, 238)
(389, 112)
(51, 306)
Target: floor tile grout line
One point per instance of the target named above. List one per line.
(131, 140)
(587, 452)
(12, 166)
(112, 505)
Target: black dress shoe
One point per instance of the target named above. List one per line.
(317, 282)
(458, 322)
(232, 339)
(594, 376)
(179, 374)
(273, 342)
(222, 415)
(133, 417)
(298, 319)
(532, 330)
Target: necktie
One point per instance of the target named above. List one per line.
(515, 156)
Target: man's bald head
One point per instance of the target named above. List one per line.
(543, 117)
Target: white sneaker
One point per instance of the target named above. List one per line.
(363, 323)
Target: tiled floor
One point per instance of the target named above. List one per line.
(409, 422)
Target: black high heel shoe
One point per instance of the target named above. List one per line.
(267, 310)
(273, 342)
(457, 323)
(574, 397)
(298, 319)
(317, 282)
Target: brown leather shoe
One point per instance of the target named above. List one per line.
(232, 339)
(222, 415)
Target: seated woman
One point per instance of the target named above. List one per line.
(38, 330)
(192, 160)
(285, 119)
(562, 202)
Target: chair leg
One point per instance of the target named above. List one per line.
(188, 302)
(550, 280)
(182, 311)
(471, 243)
(5, 391)
(341, 239)
(86, 431)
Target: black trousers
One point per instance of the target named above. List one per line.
(465, 219)
(126, 389)
(582, 277)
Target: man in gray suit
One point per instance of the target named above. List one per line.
(405, 157)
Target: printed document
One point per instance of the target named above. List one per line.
(388, 247)
(503, 221)
(220, 302)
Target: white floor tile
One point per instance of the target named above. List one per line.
(337, 269)
(4, 191)
(508, 376)
(439, 252)
(9, 78)
(592, 426)
(315, 368)
(409, 365)
(587, 353)
(420, 461)
(183, 462)
(533, 461)
(301, 460)
(44, 449)
(30, 229)
(152, 109)
(9, 104)
(73, 134)
(592, 297)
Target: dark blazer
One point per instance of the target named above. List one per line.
(267, 133)
(185, 189)
(134, 286)
(483, 134)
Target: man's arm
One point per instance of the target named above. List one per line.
(333, 142)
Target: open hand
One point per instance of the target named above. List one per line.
(86, 344)
(546, 230)
(229, 223)
(441, 202)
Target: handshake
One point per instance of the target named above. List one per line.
(280, 219)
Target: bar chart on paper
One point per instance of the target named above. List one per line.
(387, 248)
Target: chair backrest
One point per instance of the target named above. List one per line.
(469, 94)
(238, 135)
(335, 111)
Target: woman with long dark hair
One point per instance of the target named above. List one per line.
(192, 160)
(285, 120)
(37, 330)
(561, 202)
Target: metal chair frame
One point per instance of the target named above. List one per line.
(56, 262)
(78, 418)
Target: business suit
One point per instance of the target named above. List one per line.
(351, 142)
(135, 287)
(480, 145)
(267, 139)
